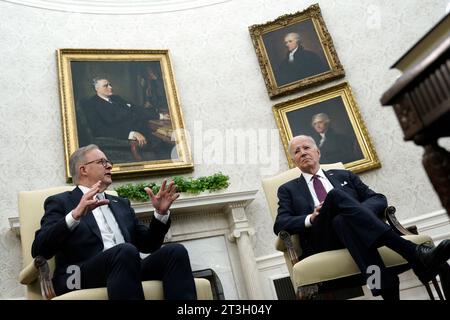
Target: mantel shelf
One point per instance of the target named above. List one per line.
(203, 201)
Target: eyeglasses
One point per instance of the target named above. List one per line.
(103, 161)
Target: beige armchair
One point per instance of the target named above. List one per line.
(37, 272)
(321, 274)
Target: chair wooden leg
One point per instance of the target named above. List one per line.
(437, 288)
(430, 293)
(307, 292)
(444, 276)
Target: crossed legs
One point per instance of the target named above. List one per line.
(121, 270)
(344, 222)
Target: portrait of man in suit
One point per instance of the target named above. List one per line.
(295, 53)
(298, 63)
(120, 127)
(118, 106)
(334, 146)
(125, 102)
(328, 122)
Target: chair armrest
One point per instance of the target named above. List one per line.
(279, 245)
(288, 246)
(44, 276)
(392, 220)
(29, 274)
(38, 268)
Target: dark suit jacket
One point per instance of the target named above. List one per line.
(337, 148)
(296, 202)
(306, 64)
(73, 247)
(118, 118)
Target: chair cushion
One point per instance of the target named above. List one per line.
(153, 290)
(310, 270)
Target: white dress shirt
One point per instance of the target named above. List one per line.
(291, 55)
(322, 139)
(105, 231)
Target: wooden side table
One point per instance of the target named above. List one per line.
(421, 101)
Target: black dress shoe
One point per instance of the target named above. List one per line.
(429, 258)
(391, 295)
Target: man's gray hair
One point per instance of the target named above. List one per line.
(321, 116)
(294, 35)
(77, 158)
(95, 81)
(303, 137)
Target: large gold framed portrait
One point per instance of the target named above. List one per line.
(126, 102)
(332, 118)
(295, 51)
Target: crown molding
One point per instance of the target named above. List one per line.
(116, 6)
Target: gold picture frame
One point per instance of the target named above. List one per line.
(314, 62)
(143, 89)
(346, 140)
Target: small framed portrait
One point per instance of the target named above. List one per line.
(124, 101)
(331, 116)
(295, 51)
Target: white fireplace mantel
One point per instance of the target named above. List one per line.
(214, 214)
(204, 201)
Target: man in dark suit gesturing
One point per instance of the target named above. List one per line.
(335, 209)
(100, 235)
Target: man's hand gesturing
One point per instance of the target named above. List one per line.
(88, 202)
(165, 197)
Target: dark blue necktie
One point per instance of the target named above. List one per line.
(321, 193)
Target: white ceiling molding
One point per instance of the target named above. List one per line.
(116, 6)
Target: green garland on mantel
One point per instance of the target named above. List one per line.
(136, 192)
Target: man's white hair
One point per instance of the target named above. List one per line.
(300, 137)
(321, 116)
(294, 35)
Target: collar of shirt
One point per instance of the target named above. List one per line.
(107, 99)
(291, 54)
(309, 182)
(308, 176)
(85, 189)
(105, 230)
